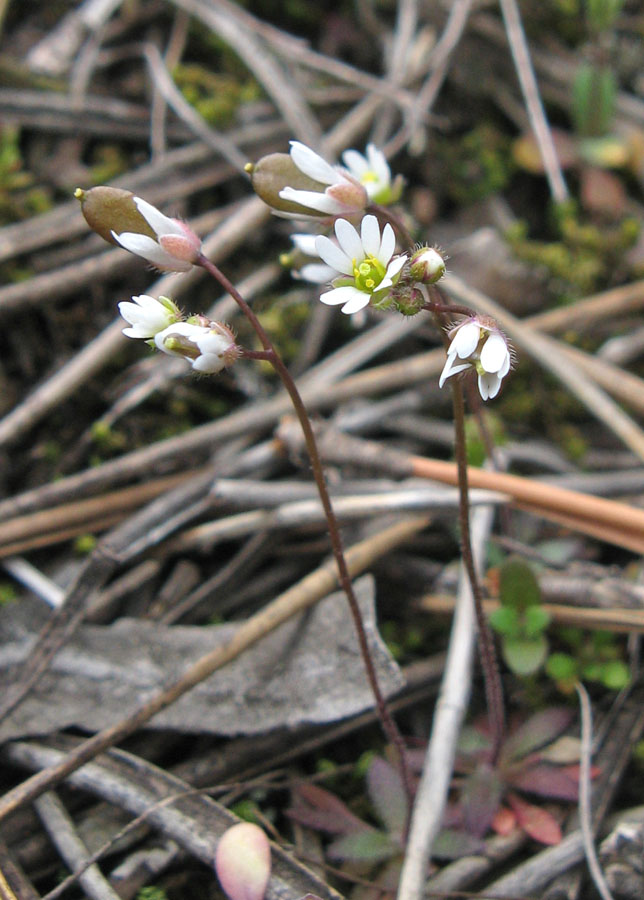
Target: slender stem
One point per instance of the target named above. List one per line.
(449, 309)
(270, 354)
(489, 662)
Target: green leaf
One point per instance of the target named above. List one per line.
(562, 667)
(615, 675)
(369, 845)
(505, 620)
(535, 620)
(524, 656)
(518, 586)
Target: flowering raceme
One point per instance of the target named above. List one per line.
(477, 343)
(364, 263)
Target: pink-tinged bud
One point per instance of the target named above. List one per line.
(350, 194)
(427, 265)
(137, 226)
(243, 862)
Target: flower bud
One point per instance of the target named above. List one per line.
(407, 299)
(137, 226)
(243, 862)
(272, 173)
(110, 210)
(207, 346)
(427, 265)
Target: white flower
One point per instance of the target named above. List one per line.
(373, 172)
(340, 192)
(176, 247)
(478, 344)
(318, 273)
(364, 262)
(147, 315)
(208, 348)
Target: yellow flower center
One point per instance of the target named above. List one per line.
(368, 274)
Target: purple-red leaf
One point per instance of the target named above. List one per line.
(546, 781)
(536, 822)
(318, 808)
(480, 799)
(387, 793)
(539, 730)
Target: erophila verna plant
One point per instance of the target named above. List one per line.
(365, 258)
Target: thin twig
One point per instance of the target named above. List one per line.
(585, 807)
(530, 89)
(448, 716)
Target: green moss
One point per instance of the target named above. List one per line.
(214, 96)
(582, 257)
(478, 165)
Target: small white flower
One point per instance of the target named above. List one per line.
(147, 315)
(478, 344)
(340, 192)
(208, 348)
(176, 247)
(364, 263)
(372, 171)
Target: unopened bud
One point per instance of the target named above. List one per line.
(272, 173)
(110, 209)
(243, 862)
(427, 265)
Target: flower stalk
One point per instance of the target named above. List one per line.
(270, 355)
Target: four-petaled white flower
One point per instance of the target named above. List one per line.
(372, 171)
(364, 262)
(147, 315)
(340, 192)
(176, 247)
(207, 347)
(477, 343)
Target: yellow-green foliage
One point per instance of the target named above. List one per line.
(583, 258)
(215, 96)
(478, 165)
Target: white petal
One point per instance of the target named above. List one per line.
(370, 233)
(341, 295)
(466, 339)
(159, 223)
(489, 385)
(356, 303)
(148, 248)
(494, 353)
(208, 363)
(313, 165)
(395, 266)
(355, 163)
(505, 368)
(305, 243)
(378, 164)
(349, 241)
(388, 244)
(332, 255)
(317, 273)
(312, 200)
(450, 369)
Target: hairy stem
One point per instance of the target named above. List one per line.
(489, 661)
(270, 354)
